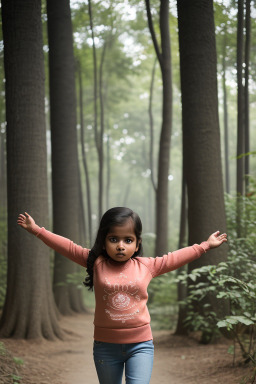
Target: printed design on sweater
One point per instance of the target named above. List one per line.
(122, 297)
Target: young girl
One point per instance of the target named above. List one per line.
(120, 277)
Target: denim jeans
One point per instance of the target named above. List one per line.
(110, 360)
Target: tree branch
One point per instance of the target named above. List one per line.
(152, 31)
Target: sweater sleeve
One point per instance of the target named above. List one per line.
(63, 246)
(174, 260)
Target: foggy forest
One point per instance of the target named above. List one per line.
(149, 105)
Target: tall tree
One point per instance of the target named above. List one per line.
(84, 157)
(164, 58)
(29, 310)
(102, 129)
(65, 175)
(246, 92)
(151, 124)
(3, 197)
(108, 175)
(225, 26)
(201, 136)
(225, 115)
(182, 288)
(240, 114)
(98, 133)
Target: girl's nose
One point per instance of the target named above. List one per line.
(120, 245)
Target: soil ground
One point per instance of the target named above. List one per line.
(178, 360)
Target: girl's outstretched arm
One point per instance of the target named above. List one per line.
(177, 259)
(60, 244)
(216, 239)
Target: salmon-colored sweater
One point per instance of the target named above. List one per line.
(121, 313)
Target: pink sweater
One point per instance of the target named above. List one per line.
(121, 313)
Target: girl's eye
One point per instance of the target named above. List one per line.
(128, 241)
(112, 240)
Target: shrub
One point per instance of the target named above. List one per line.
(232, 282)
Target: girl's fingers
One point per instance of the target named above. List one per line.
(23, 217)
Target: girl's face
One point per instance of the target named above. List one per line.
(121, 242)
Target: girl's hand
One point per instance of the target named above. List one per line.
(216, 239)
(26, 221)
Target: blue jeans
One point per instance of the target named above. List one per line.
(110, 360)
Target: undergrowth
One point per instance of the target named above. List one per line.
(9, 367)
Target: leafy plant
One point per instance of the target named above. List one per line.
(233, 283)
(162, 301)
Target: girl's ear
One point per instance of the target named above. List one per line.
(138, 244)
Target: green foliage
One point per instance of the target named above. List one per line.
(162, 301)
(18, 361)
(8, 366)
(204, 318)
(2, 349)
(232, 282)
(76, 278)
(148, 242)
(16, 379)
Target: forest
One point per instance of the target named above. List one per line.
(143, 104)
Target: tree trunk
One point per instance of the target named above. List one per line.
(164, 58)
(151, 124)
(85, 165)
(101, 133)
(182, 288)
(82, 222)
(97, 135)
(29, 310)
(3, 185)
(108, 175)
(246, 94)
(65, 183)
(225, 116)
(240, 117)
(201, 136)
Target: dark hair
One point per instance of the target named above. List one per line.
(113, 217)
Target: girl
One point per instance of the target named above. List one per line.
(120, 276)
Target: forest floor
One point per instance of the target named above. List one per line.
(178, 360)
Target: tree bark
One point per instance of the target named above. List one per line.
(102, 129)
(29, 310)
(182, 288)
(164, 58)
(225, 116)
(82, 222)
(246, 94)
(201, 136)
(65, 182)
(84, 158)
(108, 175)
(240, 116)
(3, 182)
(151, 124)
(97, 135)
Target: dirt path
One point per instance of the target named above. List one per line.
(177, 360)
